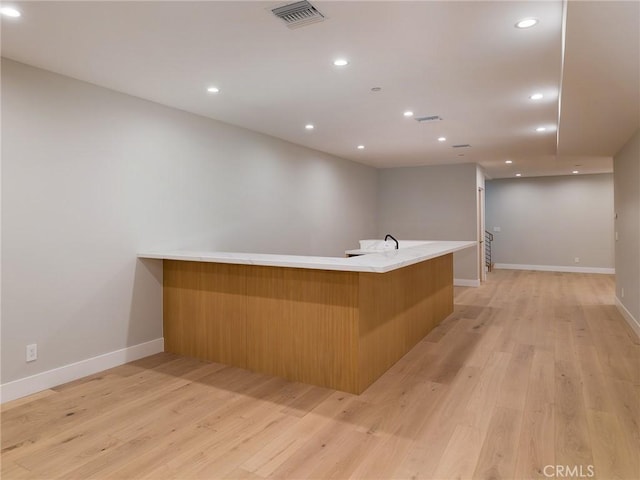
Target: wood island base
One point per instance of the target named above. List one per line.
(335, 329)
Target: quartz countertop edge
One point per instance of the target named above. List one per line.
(381, 262)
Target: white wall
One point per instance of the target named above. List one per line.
(626, 174)
(548, 221)
(434, 203)
(90, 177)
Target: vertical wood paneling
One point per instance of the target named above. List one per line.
(205, 311)
(398, 309)
(181, 305)
(302, 325)
(329, 328)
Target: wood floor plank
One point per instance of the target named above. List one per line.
(532, 369)
(91, 451)
(627, 409)
(282, 447)
(515, 385)
(615, 361)
(14, 471)
(497, 458)
(485, 394)
(383, 458)
(321, 452)
(400, 428)
(613, 457)
(221, 456)
(490, 336)
(182, 431)
(536, 446)
(572, 439)
(423, 455)
(77, 424)
(596, 388)
(461, 455)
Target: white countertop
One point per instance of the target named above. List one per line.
(374, 262)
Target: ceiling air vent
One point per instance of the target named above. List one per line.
(461, 145)
(430, 118)
(298, 14)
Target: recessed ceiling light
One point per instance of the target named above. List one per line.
(340, 62)
(309, 126)
(518, 174)
(408, 113)
(213, 90)
(541, 129)
(508, 161)
(442, 139)
(575, 171)
(527, 23)
(9, 12)
(536, 96)
(360, 147)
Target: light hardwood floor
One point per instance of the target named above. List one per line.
(532, 370)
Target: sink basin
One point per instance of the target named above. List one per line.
(374, 246)
(377, 245)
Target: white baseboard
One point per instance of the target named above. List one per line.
(464, 282)
(57, 376)
(633, 322)
(554, 268)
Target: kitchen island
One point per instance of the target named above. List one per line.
(328, 321)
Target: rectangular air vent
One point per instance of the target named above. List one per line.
(298, 14)
(461, 145)
(430, 118)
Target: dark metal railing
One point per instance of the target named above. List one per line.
(488, 238)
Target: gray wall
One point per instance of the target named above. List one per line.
(626, 174)
(90, 177)
(548, 221)
(432, 203)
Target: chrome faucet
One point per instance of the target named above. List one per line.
(389, 236)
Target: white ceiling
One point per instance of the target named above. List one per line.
(464, 61)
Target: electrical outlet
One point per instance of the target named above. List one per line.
(32, 352)
(577, 259)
